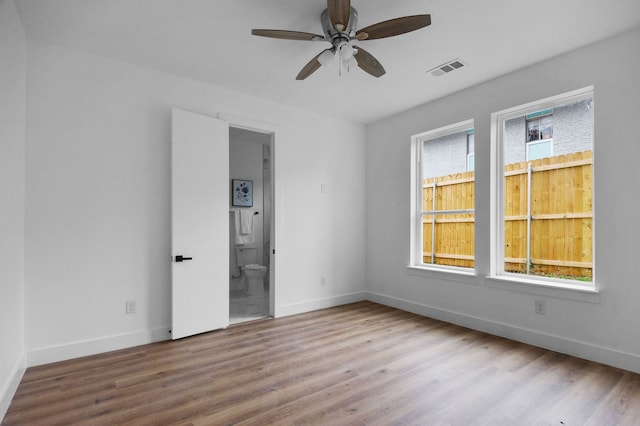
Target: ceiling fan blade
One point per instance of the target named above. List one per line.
(311, 67)
(287, 35)
(368, 63)
(339, 13)
(394, 27)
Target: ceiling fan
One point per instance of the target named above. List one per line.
(339, 21)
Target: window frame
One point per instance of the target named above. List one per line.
(471, 154)
(416, 235)
(497, 274)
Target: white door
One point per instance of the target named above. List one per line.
(200, 224)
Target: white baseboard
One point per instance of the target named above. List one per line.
(314, 305)
(10, 388)
(614, 358)
(576, 348)
(72, 350)
(95, 346)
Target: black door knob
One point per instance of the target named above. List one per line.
(180, 258)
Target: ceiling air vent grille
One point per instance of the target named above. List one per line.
(446, 68)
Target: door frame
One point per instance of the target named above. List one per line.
(273, 130)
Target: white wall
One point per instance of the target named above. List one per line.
(97, 200)
(12, 170)
(605, 328)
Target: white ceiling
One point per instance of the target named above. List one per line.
(210, 41)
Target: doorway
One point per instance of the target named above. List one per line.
(250, 224)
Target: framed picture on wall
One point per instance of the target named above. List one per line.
(241, 193)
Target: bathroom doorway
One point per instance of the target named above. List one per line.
(250, 224)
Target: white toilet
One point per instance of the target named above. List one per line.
(247, 258)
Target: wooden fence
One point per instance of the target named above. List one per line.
(558, 224)
(453, 233)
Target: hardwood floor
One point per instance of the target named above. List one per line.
(359, 364)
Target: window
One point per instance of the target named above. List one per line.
(543, 191)
(443, 230)
(539, 135)
(539, 126)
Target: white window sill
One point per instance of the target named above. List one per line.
(544, 288)
(459, 275)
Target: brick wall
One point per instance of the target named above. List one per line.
(445, 155)
(572, 132)
(572, 129)
(515, 137)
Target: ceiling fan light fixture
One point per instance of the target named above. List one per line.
(326, 57)
(346, 51)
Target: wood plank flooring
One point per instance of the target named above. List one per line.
(359, 364)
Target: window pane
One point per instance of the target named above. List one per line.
(533, 130)
(546, 127)
(539, 128)
(447, 214)
(548, 200)
(538, 150)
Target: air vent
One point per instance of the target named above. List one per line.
(446, 68)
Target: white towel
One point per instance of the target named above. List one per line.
(246, 222)
(244, 227)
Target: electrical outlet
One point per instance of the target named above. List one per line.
(540, 307)
(130, 307)
(323, 188)
(323, 282)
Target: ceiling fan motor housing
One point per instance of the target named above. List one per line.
(333, 35)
